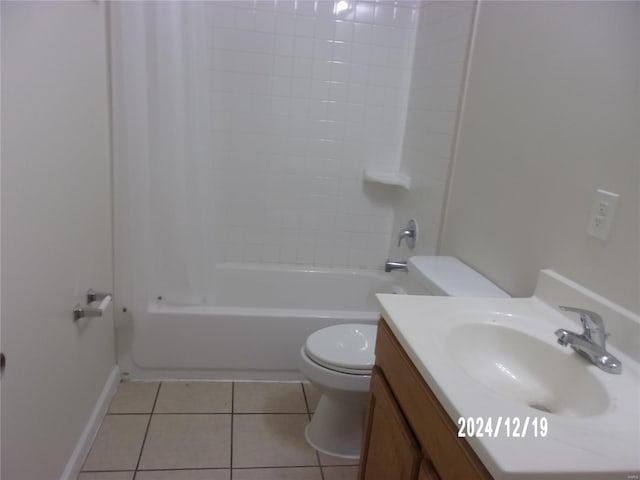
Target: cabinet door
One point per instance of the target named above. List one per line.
(435, 431)
(427, 471)
(390, 450)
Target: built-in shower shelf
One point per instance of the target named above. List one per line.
(385, 177)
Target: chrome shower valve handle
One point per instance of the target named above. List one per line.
(410, 234)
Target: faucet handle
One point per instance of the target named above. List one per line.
(410, 232)
(592, 323)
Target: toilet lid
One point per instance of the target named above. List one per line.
(345, 348)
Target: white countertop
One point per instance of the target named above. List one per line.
(601, 446)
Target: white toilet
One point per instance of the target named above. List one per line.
(338, 360)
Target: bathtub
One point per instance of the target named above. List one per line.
(261, 316)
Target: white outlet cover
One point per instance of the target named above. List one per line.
(602, 213)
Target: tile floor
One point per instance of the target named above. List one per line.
(212, 431)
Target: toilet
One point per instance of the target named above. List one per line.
(338, 360)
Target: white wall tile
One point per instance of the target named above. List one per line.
(305, 26)
(364, 12)
(306, 8)
(303, 100)
(285, 24)
(441, 42)
(344, 31)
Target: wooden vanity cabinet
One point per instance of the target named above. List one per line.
(392, 451)
(408, 434)
(427, 471)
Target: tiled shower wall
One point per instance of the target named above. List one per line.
(305, 95)
(441, 50)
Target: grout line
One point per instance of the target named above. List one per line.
(182, 469)
(144, 440)
(278, 467)
(233, 392)
(155, 400)
(270, 413)
(213, 468)
(122, 470)
(124, 414)
(216, 413)
(306, 401)
(320, 465)
(309, 414)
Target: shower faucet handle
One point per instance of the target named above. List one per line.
(410, 233)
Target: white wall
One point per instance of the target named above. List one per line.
(56, 230)
(551, 115)
(304, 98)
(442, 40)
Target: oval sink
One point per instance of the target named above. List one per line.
(527, 370)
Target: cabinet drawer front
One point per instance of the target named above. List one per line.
(451, 456)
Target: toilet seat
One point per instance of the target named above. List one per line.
(347, 348)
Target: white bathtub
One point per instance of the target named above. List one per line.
(261, 317)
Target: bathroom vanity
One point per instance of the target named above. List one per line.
(408, 435)
(539, 410)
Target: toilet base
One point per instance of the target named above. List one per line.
(336, 428)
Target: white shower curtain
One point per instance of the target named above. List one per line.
(162, 193)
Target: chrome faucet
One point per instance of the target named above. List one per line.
(591, 344)
(389, 266)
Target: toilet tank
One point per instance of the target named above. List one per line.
(447, 276)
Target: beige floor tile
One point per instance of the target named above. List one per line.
(194, 397)
(313, 396)
(187, 441)
(268, 397)
(118, 443)
(106, 476)
(290, 473)
(221, 474)
(134, 397)
(340, 473)
(271, 441)
(331, 460)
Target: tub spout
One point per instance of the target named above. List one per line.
(390, 266)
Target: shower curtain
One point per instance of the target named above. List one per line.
(162, 197)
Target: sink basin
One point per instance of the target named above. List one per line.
(527, 370)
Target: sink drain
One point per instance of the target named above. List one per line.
(540, 407)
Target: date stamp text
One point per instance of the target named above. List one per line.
(510, 427)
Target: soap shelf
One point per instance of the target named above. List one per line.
(385, 177)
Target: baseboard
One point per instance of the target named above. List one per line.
(74, 464)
